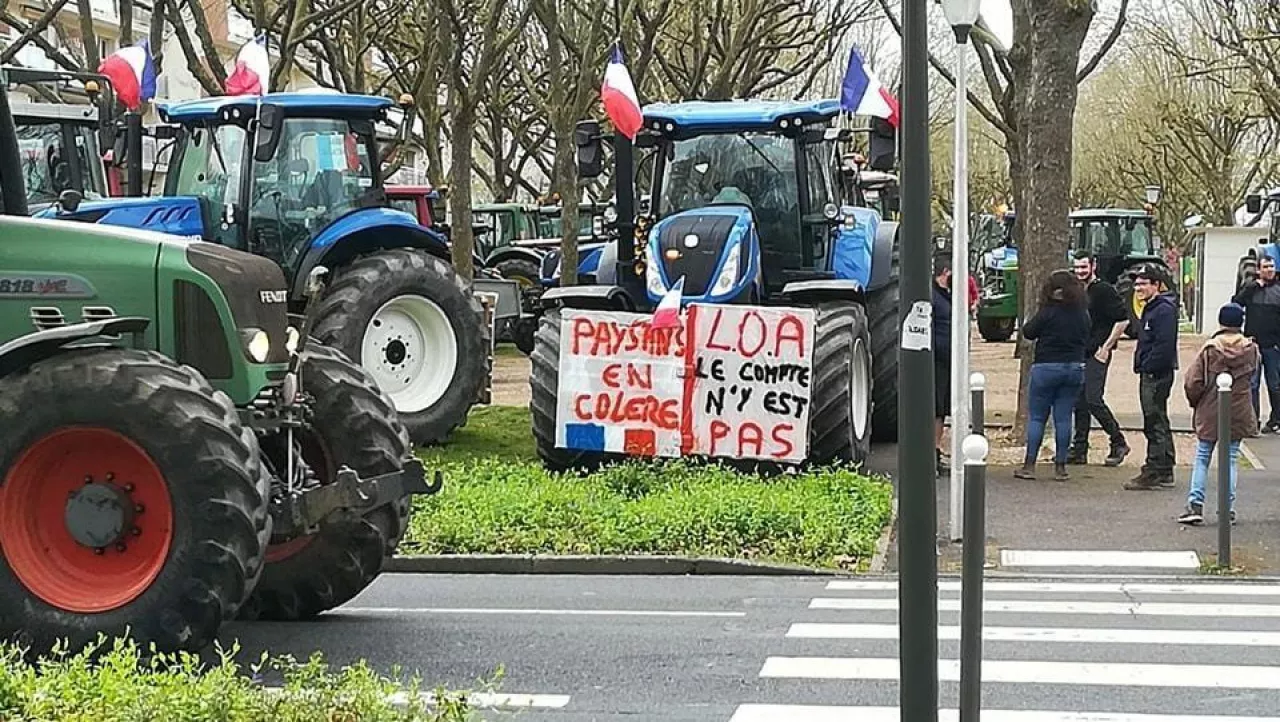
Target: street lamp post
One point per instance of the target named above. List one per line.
(961, 15)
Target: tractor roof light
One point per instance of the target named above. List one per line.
(1153, 194)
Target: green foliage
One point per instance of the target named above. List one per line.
(499, 432)
(829, 518)
(121, 682)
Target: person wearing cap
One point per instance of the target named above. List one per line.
(1228, 351)
(1261, 301)
(1155, 361)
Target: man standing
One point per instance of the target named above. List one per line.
(1109, 318)
(941, 351)
(1261, 301)
(1155, 361)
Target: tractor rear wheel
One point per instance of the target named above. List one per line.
(996, 329)
(882, 312)
(526, 273)
(544, 378)
(353, 424)
(133, 500)
(415, 325)
(840, 411)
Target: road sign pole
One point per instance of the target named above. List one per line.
(1224, 469)
(917, 472)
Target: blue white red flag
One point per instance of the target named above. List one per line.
(861, 93)
(132, 74)
(667, 314)
(252, 72)
(618, 94)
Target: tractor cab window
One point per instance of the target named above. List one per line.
(321, 171)
(821, 191)
(1115, 236)
(209, 168)
(57, 157)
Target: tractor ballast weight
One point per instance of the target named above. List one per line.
(297, 178)
(749, 208)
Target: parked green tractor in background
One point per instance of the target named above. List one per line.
(1122, 241)
(997, 277)
(175, 452)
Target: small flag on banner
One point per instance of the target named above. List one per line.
(667, 314)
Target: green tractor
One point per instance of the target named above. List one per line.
(176, 453)
(997, 277)
(1122, 242)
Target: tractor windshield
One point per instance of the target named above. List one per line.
(57, 157)
(1115, 236)
(209, 166)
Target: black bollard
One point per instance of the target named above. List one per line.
(972, 566)
(1224, 470)
(978, 404)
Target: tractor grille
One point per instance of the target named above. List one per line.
(697, 264)
(254, 288)
(97, 313)
(201, 340)
(46, 317)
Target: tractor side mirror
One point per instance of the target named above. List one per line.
(69, 200)
(645, 205)
(586, 136)
(270, 124)
(1253, 203)
(883, 144)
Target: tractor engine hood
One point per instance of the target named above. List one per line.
(714, 248)
(174, 215)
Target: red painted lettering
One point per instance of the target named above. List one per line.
(610, 376)
(640, 378)
(761, 329)
(789, 329)
(780, 434)
(719, 430)
(583, 414)
(715, 327)
(582, 329)
(750, 434)
(668, 416)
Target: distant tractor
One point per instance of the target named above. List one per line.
(749, 210)
(175, 453)
(296, 177)
(997, 279)
(1247, 268)
(1122, 241)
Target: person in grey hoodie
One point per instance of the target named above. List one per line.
(1227, 351)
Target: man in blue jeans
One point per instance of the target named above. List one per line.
(1261, 301)
(1155, 360)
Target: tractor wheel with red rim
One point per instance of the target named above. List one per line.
(131, 500)
(353, 424)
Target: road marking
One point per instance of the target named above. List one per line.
(1108, 674)
(1028, 606)
(1069, 558)
(814, 713)
(1049, 634)
(1251, 457)
(540, 612)
(1204, 589)
(481, 700)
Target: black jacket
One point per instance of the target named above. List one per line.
(941, 322)
(1106, 309)
(1157, 351)
(1262, 312)
(1061, 334)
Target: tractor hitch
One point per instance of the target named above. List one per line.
(303, 510)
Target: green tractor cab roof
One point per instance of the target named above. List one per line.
(308, 102)
(1093, 213)
(729, 116)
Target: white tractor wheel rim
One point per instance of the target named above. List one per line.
(412, 352)
(860, 389)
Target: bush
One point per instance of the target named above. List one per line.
(828, 518)
(121, 682)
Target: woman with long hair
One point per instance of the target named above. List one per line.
(1060, 329)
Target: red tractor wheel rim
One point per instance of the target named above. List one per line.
(67, 493)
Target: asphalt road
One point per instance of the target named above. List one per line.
(729, 649)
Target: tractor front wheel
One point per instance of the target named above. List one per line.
(415, 325)
(840, 414)
(133, 500)
(996, 329)
(886, 330)
(353, 424)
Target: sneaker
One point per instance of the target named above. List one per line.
(1142, 482)
(1060, 472)
(1026, 471)
(1164, 481)
(1193, 515)
(1271, 427)
(1117, 454)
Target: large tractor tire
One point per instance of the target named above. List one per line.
(995, 329)
(886, 330)
(544, 378)
(526, 273)
(840, 411)
(415, 325)
(133, 501)
(353, 424)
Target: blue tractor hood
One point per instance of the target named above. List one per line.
(716, 249)
(177, 215)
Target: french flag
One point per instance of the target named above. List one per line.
(252, 71)
(132, 74)
(862, 94)
(618, 94)
(667, 314)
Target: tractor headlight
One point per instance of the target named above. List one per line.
(728, 277)
(256, 343)
(653, 275)
(291, 339)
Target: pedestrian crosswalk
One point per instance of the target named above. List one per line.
(1055, 650)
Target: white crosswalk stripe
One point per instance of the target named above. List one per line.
(1054, 651)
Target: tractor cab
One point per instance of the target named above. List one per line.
(1118, 238)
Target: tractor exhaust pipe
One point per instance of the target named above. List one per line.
(13, 189)
(133, 154)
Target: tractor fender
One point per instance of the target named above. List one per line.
(882, 255)
(599, 297)
(25, 350)
(176, 215)
(836, 289)
(508, 252)
(364, 231)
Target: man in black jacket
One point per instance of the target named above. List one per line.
(1155, 361)
(1261, 301)
(1108, 317)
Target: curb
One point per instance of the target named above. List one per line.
(880, 559)
(654, 565)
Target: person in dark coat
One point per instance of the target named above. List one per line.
(1228, 351)
(941, 351)
(1155, 361)
(1109, 318)
(1261, 301)
(1060, 329)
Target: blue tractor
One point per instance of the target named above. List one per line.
(777, 220)
(296, 177)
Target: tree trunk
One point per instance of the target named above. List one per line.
(464, 128)
(88, 36)
(157, 34)
(564, 181)
(126, 23)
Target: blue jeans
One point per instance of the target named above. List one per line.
(1270, 368)
(1053, 387)
(1200, 472)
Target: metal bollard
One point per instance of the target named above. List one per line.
(978, 404)
(972, 565)
(1224, 469)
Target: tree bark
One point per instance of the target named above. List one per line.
(88, 36)
(463, 240)
(126, 23)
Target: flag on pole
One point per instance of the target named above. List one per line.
(132, 74)
(861, 93)
(619, 96)
(667, 314)
(252, 71)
